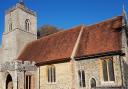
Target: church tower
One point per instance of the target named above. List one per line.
(20, 28)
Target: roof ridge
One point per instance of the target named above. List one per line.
(61, 31)
(106, 20)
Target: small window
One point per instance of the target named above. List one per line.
(10, 26)
(51, 74)
(81, 74)
(28, 82)
(27, 24)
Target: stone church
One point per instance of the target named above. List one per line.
(83, 57)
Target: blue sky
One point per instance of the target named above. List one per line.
(68, 13)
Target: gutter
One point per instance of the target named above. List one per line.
(119, 52)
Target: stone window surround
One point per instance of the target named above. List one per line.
(10, 27)
(82, 82)
(107, 82)
(27, 24)
(28, 79)
(51, 74)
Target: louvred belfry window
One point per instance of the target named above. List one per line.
(10, 26)
(27, 24)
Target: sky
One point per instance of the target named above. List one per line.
(65, 14)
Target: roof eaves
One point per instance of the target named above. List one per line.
(110, 53)
(53, 61)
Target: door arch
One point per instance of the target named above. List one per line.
(9, 83)
(93, 83)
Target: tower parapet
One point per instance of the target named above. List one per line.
(20, 6)
(18, 65)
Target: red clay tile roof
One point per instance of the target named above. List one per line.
(95, 39)
(100, 38)
(57, 46)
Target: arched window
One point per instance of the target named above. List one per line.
(10, 26)
(27, 24)
(105, 75)
(93, 83)
(108, 69)
(51, 74)
(9, 82)
(111, 70)
(28, 81)
(81, 74)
